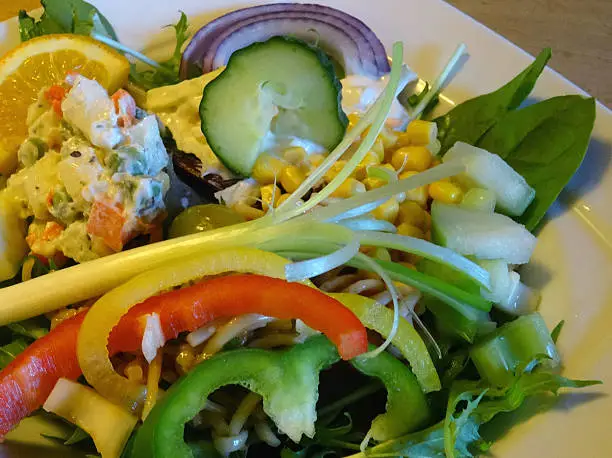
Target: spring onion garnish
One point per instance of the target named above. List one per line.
(302, 270)
(368, 224)
(427, 250)
(440, 81)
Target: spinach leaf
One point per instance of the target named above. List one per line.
(545, 143)
(470, 120)
(65, 16)
(168, 72)
(10, 351)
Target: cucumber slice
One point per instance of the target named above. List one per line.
(489, 171)
(282, 86)
(484, 235)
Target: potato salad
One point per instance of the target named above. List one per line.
(91, 176)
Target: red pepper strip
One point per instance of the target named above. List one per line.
(28, 380)
(189, 308)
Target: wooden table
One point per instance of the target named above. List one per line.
(578, 31)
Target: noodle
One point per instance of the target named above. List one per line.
(232, 329)
(265, 433)
(226, 445)
(134, 370)
(201, 335)
(153, 376)
(275, 340)
(26, 269)
(244, 410)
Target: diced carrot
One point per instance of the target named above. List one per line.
(125, 107)
(55, 94)
(52, 231)
(49, 199)
(107, 222)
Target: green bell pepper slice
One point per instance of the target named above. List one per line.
(407, 408)
(287, 381)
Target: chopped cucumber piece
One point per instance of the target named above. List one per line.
(487, 170)
(484, 235)
(514, 344)
(479, 199)
(507, 291)
(281, 86)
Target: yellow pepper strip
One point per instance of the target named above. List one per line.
(108, 425)
(105, 314)
(378, 318)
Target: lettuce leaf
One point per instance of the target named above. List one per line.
(472, 404)
(65, 16)
(168, 72)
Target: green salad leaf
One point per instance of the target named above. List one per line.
(545, 143)
(78, 435)
(470, 120)
(33, 328)
(168, 72)
(470, 405)
(65, 16)
(10, 351)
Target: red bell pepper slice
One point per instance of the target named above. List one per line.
(190, 308)
(27, 381)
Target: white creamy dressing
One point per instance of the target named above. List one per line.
(178, 108)
(360, 92)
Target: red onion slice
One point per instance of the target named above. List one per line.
(344, 37)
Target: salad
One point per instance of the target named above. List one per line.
(271, 244)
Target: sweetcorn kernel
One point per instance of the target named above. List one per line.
(267, 168)
(379, 149)
(419, 195)
(387, 211)
(388, 137)
(369, 159)
(373, 183)
(422, 132)
(270, 193)
(335, 169)
(353, 119)
(294, 155)
(414, 158)
(281, 200)
(445, 192)
(291, 177)
(348, 188)
(410, 231)
(316, 159)
(411, 212)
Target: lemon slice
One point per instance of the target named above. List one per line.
(42, 62)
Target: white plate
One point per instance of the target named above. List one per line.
(573, 260)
